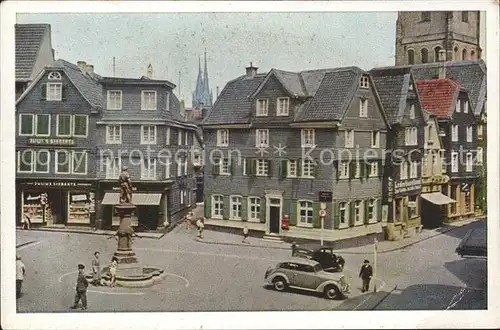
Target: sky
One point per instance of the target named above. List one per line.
(173, 42)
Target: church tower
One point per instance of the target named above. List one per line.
(202, 96)
(420, 35)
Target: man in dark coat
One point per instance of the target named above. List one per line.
(81, 288)
(366, 274)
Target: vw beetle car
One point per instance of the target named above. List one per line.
(325, 255)
(305, 274)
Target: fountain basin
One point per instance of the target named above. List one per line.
(150, 275)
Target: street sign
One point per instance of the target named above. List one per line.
(322, 206)
(322, 213)
(325, 196)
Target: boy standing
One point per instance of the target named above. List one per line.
(81, 288)
(20, 272)
(96, 269)
(366, 274)
(245, 235)
(200, 226)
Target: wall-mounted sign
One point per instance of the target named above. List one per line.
(437, 179)
(118, 188)
(51, 142)
(325, 196)
(407, 185)
(79, 197)
(57, 184)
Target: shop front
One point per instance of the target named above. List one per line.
(403, 208)
(435, 204)
(150, 201)
(462, 192)
(56, 202)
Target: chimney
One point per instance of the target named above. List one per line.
(442, 68)
(82, 65)
(90, 69)
(251, 71)
(182, 109)
(217, 91)
(150, 71)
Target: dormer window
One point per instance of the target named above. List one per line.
(54, 75)
(262, 107)
(148, 100)
(363, 82)
(283, 106)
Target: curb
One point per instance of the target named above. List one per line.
(73, 231)
(24, 244)
(384, 297)
(450, 228)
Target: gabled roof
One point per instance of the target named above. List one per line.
(29, 38)
(86, 84)
(139, 81)
(438, 96)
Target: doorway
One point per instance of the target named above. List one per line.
(274, 219)
(147, 217)
(58, 201)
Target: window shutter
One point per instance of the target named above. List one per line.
(263, 210)
(226, 207)
(337, 169)
(299, 167)
(366, 204)
(380, 168)
(367, 169)
(352, 170)
(254, 167)
(233, 166)
(351, 213)
(316, 219)
(216, 167)
(245, 166)
(336, 215)
(284, 168)
(316, 170)
(362, 171)
(244, 208)
(64, 92)
(208, 207)
(293, 212)
(43, 89)
(269, 168)
(379, 209)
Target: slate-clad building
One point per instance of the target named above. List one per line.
(278, 139)
(141, 128)
(405, 143)
(56, 117)
(451, 104)
(33, 52)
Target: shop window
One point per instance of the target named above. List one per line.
(217, 206)
(26, 124)
(305, 213)
(254, 209)
(413, 206)
(398, 212)
(468, 202)
(235, 208)
(453, 195)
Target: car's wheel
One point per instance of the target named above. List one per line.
(331, 292)
(279, 283)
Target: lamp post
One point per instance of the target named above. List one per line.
(375, 243)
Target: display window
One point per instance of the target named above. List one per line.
(79, 207)
(36, 206)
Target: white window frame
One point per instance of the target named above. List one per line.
(301, 223)
(413, 170)
(479, 156)
(262, 138)
(179, 137)
(185, 164)
(262, 167)
(282, 106)
(443, 161)
(454, 162)
(359, 218)
(224, 166)
(469, 133)
(466, 107)
(307, 137)
(454, 133)
(143, 103)
(35, 163)
(254, 202)
(54, 75)
(219, 202)
(373, 169)
(167, 136)
(167, 101)
(376, 141)
(262, 112)
(73, 157)
(36, 125)
(149, 141)
(412, 111)
(222, 137)
(70, 125)
(57, 95)
(373, 204)
(69, 157)
(21, 124)
(146, 172)
(344, 170)
(291, 169)
(114, 138)
(112, 167)
(186, 133)
(168, 171)
(244, 164)
(403, 170)
(468, 162)
(73, 126)
(364, 82)
(357, 172)
(480, 130)
(179, 167)
(346, 210)
(19, 156)
(411, 136)
(363, 108)
(349, 138)
(307, 168)
(111, 104)
(458, 105)
(238, 203)
(182, 192)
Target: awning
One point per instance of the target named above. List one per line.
(437, 198)
(137, 199)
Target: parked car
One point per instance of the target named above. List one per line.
(304, 274)
(325, 255)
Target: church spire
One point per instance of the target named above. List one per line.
(202, 96)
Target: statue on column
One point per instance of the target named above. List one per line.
(125, 186)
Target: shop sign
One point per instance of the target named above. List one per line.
(407, 185)
(79, 197)
(325, 196)
(118, 188)
(57, 184)
(51, 142)
(30, 197)
(437, 179)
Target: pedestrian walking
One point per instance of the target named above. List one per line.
(366, 274)
(26, 222)
(187, 220)
(294, 248)
(81, 288)
(20, 273)
(112, 270)
(245, 235)
(201, 225)
(96, 269)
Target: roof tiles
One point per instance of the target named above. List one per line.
(438, 95)
(28, 38)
